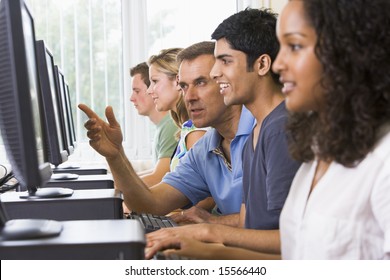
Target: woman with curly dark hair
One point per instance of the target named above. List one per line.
(333, 62)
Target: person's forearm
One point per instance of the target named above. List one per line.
(136, 194)
(265, 241)
(234, 253)
(144, 172)
(161, 168)
(229, 220)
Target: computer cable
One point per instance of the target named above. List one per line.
(5, 184)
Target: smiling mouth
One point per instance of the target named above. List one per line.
(223, 87)
(288, 87)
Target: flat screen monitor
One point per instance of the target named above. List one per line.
(56, 150)
(70, 114)
(21, 116)
(64, 113)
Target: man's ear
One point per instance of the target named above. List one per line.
(263, 65)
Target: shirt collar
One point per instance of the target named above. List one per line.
(245, 127)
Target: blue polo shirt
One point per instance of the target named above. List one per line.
(203, 172)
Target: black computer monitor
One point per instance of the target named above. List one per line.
(70, 114)
(65, 117)
(21, 117)
(56, 150)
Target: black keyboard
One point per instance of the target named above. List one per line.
(152, 222)
(160, 256)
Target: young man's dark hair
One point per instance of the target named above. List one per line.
(142, 69)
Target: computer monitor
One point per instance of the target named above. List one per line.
(65, 117)
(70, 114)
(56, 149)
(21, 117)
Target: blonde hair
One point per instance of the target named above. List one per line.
(165, 62)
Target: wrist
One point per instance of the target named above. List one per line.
(117, 156)
(212, 233)
(213, 219)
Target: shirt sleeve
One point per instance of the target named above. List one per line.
(188, 177)
(166, 141)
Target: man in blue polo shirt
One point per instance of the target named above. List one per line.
(211, 167)
(207, 170)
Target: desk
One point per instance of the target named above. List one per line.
(82, 205)
(84, 182)
(91, 240)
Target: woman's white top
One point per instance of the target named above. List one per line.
(347, 215)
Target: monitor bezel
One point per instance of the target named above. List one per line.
(70, 114)
(60, 83)
(55, 148)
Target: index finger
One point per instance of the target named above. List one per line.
(88, 111)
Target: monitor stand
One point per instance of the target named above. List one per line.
(47, 193)
(21, 229)
(75, 168)
(64, 176)
(69, 165)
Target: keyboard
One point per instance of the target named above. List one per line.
(160, 256)
(152, 222)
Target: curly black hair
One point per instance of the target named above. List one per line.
(354, 48)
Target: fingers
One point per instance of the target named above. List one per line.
(93, 133)
(192, 215)
(169, 243)
(93, 124)
(160, 234)
(93, 117)
(177, 217)
(111, 116)
(88, 111)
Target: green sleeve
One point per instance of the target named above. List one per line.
(165, 138)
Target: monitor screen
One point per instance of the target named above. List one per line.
(70, 114)
(56, 150)
(65, 117)
(21, 117)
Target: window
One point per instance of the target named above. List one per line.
(177, 23)
(85, 38)
(153, 25)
